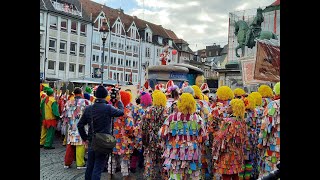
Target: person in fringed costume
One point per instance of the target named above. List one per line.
(227, 147)
(184, 134)
(123, 132)
(203, 110)
(269, 137)
(239, 93)
(151, 123)
(49, 115)
(266, 93)
(71, 115)
(138, 113)
(251, 151)
(219, 108)
(224, 95)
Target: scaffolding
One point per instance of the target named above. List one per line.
(271, 23)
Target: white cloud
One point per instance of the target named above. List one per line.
(199, 22)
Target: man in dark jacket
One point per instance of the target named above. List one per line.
(101, 113)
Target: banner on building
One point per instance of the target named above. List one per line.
(267, 64)
(248, 67)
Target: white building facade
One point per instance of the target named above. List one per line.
(67, 41)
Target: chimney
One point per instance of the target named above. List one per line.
(120, 10)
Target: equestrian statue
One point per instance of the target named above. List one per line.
(246, 35)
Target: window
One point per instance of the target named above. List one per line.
(64, 25)
(83, 28)
(129, 63)
(111, 60)
(121, 62)
(71, 67)
(210, 53)
(217, 53)
(82, 49)
(52, 44)
(63, 46)
(134, 64)
(170, 43)
(41, 19)
(73, 48)
(96, 38)
(62, 66)
(74, 27)
(81, 68)
(51, 65)
(126, 62)
(147, 52)
(97, 58)
(93, 58)
(118, 61)
(160, 40)
(53, 22)
(158, 50)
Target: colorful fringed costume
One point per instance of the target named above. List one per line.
(49, 114)
(72, 113)
(251, 152)
(269, 137)
(227, 147)
(183, 132)
(123, 132)
(151, 123)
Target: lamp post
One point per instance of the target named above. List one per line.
(104, 34)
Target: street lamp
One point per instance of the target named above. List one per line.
(104, 34)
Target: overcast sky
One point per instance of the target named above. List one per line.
(199, 22)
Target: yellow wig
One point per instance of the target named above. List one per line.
(186, 104)
(238, 107)
(224, 93)
(276, 88)
(250, 102)
(197, 92)
(239, 92)
(159, 99)
(156, 91)
(257, 97)
(265, 91)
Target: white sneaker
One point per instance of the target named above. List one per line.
(66, 167)
(81, 167)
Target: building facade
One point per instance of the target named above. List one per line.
(134, 44)
(67, 41)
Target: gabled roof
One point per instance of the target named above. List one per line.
(224, 50)
(180, 41)
(47, 5)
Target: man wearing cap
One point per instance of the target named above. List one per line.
(50, 113)
(101, 113)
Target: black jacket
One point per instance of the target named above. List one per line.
(102, 114)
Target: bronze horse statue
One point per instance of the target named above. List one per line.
(246, 35)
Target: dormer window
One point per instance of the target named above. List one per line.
(160, 40)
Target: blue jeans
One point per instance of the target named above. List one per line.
(95, 164)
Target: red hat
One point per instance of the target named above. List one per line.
(160, 87)
(146, 85)
(204, 88)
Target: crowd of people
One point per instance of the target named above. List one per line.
(172, 132)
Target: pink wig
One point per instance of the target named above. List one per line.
(145, 99)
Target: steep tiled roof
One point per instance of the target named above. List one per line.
(180, 41)
(47, 5)
(171, 34)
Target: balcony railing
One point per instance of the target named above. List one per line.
(66, 8)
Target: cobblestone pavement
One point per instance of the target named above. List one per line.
(52, 162)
